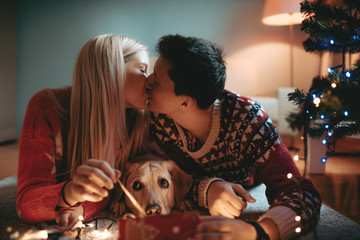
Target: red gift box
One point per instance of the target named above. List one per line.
(176, 226)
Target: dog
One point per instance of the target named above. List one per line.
(158, 185)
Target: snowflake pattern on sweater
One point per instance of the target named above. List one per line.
(41, 160)
(243, 145)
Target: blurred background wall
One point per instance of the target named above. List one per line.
(48, 35)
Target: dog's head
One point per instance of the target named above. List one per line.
(156, 184)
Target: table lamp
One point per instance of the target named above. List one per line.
(281, 13)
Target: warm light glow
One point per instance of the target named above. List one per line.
(282, 12)
(316, 101)
(43, 234)
(297, 218)
(296, 157)
(333, 85)
(289, 175)
(81, 218)
(283, 19)
(101, 234)
(298, 230)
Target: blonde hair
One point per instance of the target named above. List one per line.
(100, 126)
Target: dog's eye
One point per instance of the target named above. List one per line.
(164, 183)
(137, 185)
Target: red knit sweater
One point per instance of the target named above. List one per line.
(42, 159)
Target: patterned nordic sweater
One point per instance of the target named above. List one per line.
(41, 160)
(243, 145)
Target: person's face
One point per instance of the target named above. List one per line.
(136, 73)
(162, 98)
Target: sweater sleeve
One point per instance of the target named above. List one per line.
(40, 156)
(294, 202)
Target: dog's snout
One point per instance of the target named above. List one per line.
(153, 209)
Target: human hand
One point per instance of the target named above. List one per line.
(221, 228)
(91, 182)
(227, 199)
(68, 218)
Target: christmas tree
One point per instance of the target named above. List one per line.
(330, 110)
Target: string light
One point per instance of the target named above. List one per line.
(316, 101)
(329, 69)
(323, 160)
(297, 218)
(324, 141)
(296, 157)
(333, 85)
(332, 41)
(348, 74)
(322, 116)
(101, 234)
(43, 234)
(346, 113)
(298, 230)
(289, 175)
(326, 126)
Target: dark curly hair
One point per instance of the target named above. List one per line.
(197, 67)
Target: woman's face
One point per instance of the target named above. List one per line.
(137, 68)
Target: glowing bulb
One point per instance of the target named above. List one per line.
(43, 234)
(346, 113)
(316, 101)
(297, 218)
(329, 69)
(333, 85)
(101, 234)
(326, 126)
(322, 116)
(314, 96)
(323, 160)
(348, 74)
(298, 230)
(307, 111)
(91, 225)
(296, 157)
(81, 218)
(329, 134)
(289, 175)
(324, 141)
(332, 41)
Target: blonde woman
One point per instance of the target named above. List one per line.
(74, 139)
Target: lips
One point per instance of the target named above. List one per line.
(148, 100)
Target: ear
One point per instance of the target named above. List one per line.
(182, 181)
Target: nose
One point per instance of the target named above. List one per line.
(153, 209)
(148, 82)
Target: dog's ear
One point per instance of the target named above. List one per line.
(182, 181)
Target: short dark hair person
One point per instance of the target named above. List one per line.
(197, 67)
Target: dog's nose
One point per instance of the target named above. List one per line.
(153, 209)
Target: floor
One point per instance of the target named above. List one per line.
(339, 186)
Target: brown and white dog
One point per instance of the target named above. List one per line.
(158, 185)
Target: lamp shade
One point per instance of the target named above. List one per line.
(282, 12)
